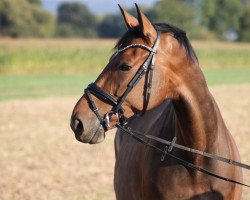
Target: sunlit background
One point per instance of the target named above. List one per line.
(51, 49)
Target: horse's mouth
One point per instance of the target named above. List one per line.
(96, 137)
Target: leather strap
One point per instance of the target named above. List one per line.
(141, 72)
(139, 138)
(202, 153)
(101, 94)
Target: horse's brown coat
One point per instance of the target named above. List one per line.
(190, 114)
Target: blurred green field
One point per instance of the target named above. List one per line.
(53, 56)
(20, 86)
(64, 56)
(38, 68)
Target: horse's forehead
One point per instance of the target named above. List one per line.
(128, 52)
(130, 41)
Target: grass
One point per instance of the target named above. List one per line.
(63, 56)
(227, 76)
(222, 54)
(32, 68)
(53, 56)
(19, 86)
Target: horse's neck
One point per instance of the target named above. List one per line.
(155, 120)
(194, 118)
(198, 116)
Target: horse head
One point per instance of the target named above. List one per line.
(130, 84)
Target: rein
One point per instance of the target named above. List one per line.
(117, 110)
(169, 147)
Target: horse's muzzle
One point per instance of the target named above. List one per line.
(94, 135)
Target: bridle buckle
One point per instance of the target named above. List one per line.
(168, 149)
(108, 117)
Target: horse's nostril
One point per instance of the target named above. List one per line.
(77, 127)
(76, 124)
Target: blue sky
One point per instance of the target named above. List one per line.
(97, 6)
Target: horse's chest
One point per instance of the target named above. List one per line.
(129, 171)
(140, 175)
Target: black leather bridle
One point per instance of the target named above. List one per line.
(93, 89)
(148, 66)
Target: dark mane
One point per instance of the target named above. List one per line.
(177, 33)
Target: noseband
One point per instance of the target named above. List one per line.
(117, 110)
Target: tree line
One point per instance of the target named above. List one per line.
(213, 19)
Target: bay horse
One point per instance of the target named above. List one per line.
(172, 102)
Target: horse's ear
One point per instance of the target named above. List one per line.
(129, 20)
(145, 25)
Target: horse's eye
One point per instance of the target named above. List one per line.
(125, 67)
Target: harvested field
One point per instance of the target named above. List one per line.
(40, 159)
